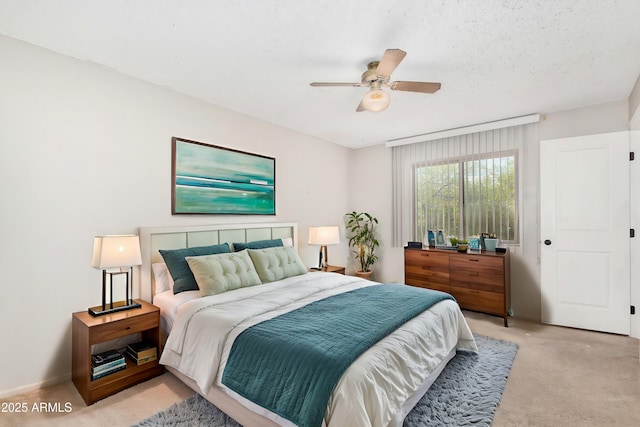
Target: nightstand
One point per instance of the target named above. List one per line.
(330, 269)
(87, 330)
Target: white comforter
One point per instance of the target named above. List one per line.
(370, 392)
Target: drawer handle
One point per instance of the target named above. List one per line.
(128, 327)
(474, 273)
(474, 259)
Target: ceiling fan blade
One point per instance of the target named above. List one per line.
(326, 84)
(360, 107)
(423, 87)
(389, 61)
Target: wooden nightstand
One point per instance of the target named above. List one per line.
(330, 269)
(87, 330)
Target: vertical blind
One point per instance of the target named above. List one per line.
(463, 185)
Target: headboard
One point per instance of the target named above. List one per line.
(154, 238)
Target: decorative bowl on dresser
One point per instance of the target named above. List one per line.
(478, 281)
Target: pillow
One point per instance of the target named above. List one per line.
(287, 241)
(164, 281)
(257, 244)
(175, 259)
(223, 272)
(277, 263)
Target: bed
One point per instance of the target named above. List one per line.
(378, 387)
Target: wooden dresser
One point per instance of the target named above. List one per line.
(479, 282)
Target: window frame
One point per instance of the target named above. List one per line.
(461, 161)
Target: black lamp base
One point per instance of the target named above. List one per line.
(100, 310)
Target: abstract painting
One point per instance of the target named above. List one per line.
(209, 179)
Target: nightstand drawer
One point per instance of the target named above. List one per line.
(122, 327)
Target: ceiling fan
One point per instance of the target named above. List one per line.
(377, 76)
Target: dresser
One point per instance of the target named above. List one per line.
(478, 281)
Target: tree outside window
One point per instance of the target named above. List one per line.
(466, 197)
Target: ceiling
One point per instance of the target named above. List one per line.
(496, 59)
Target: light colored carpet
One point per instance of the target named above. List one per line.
(467, 393)
(561, 377)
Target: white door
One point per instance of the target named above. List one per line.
(584, 225)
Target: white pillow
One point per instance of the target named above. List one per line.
(164, 281)
(287, 241)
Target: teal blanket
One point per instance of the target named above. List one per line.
(290, 364)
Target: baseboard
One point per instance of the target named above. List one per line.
(36, 386)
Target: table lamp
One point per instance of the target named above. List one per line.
(119, 252)
(323, 236)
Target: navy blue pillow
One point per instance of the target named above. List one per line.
(177, 265)
(257, 244)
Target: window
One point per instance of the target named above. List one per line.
(465, 197)
(463, 185)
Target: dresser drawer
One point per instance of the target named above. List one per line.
(486, 302)
(427, 269)
(123, 327)
(477, 272)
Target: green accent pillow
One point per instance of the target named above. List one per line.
(175, 259)
(257, 244)
(223, 272)
(277, 263)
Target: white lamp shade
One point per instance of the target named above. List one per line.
(116, 251)
(329, 235)
(376, 100)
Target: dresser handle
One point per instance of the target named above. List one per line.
(474, 259)
(474, 273)
(127, 328)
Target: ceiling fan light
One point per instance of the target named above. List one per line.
(375, 100)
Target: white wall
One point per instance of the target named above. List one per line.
(87, 151)
(634, 106)
(374, 163)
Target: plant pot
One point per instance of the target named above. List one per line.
(490, 244)
(364, 274)
(462, 248)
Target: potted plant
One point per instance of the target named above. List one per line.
(361, 229)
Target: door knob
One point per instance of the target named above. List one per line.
(547, 242)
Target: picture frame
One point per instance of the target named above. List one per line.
(439, 238)
(211, 179)
(474, 245)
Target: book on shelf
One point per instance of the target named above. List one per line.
(105, 357)
(141, 350)
(143, 360)
(108, 366)
(109, 371)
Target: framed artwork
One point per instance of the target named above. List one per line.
(474, 244)
(209, 179)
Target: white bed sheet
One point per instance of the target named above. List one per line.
(169, 305)
(372, 392)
